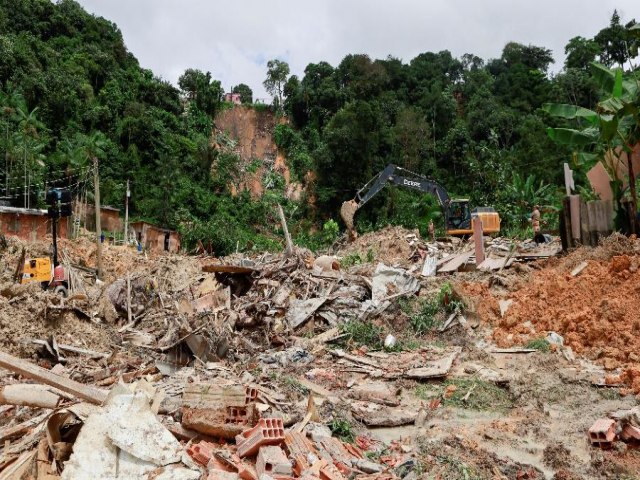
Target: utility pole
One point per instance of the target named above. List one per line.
(96, 182)
(126, 215)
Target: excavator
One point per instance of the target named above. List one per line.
(457, 212)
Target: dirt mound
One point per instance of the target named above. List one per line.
(391, 245)
(596, 311)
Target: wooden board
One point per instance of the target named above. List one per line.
(29, 370)
(456, 262)
(495, 263)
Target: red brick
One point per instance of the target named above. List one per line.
(272, 461)
(223, 422)
(268, 431)
(602, 432)
(251, 395)
(339, 454)
(629, 432)
(330, 472)
(221, 475)
(201, 452)
(298, 446)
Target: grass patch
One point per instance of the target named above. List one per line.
(458, 468)
(422, 314)
(356, 259)
(293, 384)
(485, 395)
(539, 344)
(363, 333)
(342, 429)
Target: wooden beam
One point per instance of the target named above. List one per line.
(29, 370)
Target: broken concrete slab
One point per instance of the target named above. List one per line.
(379, 392)
(433, 369)
(124, 439)
(300, 310)
(376, 415)
(392, 282)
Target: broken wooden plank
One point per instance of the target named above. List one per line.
(29, 370)
(493, 263)
(576, 271)
(8, 433)
(29, 395)
(353, 358)
(456, 262)
(315, 388)
(71, 348)
(20, 467)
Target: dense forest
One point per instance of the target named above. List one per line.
(72, 94)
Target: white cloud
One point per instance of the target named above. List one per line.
(234, 40)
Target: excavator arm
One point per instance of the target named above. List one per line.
(397, 176)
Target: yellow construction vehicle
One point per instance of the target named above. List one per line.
(44, 270)
(457, 212)
(41, 270)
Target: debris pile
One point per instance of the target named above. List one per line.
(259, 368)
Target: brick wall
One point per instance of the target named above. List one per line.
(29, 226)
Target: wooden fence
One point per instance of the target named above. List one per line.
(585, 223)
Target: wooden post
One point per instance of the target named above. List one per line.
(478, 240)
(565, 225)
(126, 215)
(96, 181)
(585, 236)
(287, 236)
(128, 298)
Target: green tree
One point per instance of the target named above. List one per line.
(201, 90)
(246, 94)
(277, 73)
(580, 53)
(615, 42)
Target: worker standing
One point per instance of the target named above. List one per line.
(535, 223)
(432, 231)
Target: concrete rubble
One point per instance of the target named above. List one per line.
(281, 366)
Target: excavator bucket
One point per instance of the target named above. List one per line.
(347, 212)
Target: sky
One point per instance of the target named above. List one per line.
(234, 40)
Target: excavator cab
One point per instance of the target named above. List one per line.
(459, 216)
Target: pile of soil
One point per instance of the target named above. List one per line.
(391, 245)
(596, 311)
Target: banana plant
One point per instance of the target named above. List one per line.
(612, 129)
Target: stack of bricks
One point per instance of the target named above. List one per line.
(268, 431)
(603, 432)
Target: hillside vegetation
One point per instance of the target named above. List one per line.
(70, 91)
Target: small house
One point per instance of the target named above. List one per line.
(234, 98)
(29, 223)
(110, 220)
(156, 239)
